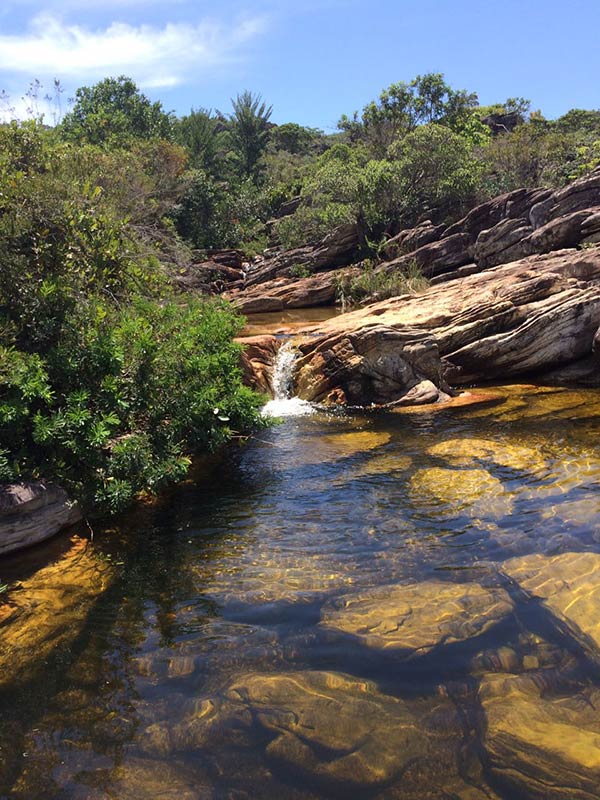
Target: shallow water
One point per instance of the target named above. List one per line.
(327, 617)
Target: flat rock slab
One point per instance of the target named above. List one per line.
(416, 618)
(542, 745)
(337, 729)
(569, 585)
(471, 451)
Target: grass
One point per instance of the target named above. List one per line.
(372, 285)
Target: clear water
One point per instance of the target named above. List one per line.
(187, 654)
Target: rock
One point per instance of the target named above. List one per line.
(451, 493)
(413, 619)
(337, 249)
(528, 317)
(227, 258)
(142, 779)
(472, 451)
(580, 194)
(372, 365)
(569, 586)
(564, 231)
(282, 293)
(435, 258)
(32, 512)
(513, 205)
(412, 239)
(542, 745)
(209, 277)
(257, 360)
(503, 122)
(369, 738)
(506, 241)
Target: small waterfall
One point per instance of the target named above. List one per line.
(283, 404)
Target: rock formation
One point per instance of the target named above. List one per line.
(32, 512)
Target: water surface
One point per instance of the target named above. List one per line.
(323, 618)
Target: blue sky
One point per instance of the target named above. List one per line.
(311, 60)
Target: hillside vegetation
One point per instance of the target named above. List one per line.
(110, 380)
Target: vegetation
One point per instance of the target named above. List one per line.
(370, 285)
(110, 382)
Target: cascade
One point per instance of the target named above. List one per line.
(283, 404)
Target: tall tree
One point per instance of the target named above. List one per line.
(114, 111)
(249, 132)
(203, 134)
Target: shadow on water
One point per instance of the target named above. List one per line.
(226, 583)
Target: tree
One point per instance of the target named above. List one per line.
(403, 106)
(249, 132)
(204, 135)
(115, 112)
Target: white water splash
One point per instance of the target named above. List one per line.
(283, 404)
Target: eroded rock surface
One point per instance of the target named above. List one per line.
(450, 493)
(415, 618)
(542, 745)
(32, 512)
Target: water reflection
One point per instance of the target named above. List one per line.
(364, 605)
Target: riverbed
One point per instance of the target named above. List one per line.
(353, 605)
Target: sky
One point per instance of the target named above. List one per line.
(311, 60)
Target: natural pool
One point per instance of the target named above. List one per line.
(359, 605)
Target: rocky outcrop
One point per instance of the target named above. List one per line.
(257, 359)
(337, 249)
(375, 364)
(509, 227)
(32, 512)
(281, 293)
(530, 317)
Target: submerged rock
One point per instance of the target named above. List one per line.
(415, 618)
(569, 586)
(470, 451)
(448, 493)
(542, 745)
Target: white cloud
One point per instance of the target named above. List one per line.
(154, 56)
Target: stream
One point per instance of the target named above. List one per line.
(342, 608)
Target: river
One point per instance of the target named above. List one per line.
(335, 610)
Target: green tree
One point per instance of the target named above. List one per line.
(249, 132)
(114, 112)
(204, 136)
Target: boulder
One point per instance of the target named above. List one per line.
(411, 620)
(506, 241)
(438, 257)
(282, 293)
(32, 512)
(411, 239)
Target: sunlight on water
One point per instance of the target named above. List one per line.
(363, 605)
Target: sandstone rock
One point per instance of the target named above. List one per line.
(142, 779)
(412, 239)
(542, 745)
(227, 258)
(513, 205)
(450, 493)
(32, 512)
(565, 231)
(282, 293)
(336, 249)
(372, 365)
(569, 586)
(435, 258)
(413, 619)
(506, 241)
(472, 451)
(580, 194)
(257, 360)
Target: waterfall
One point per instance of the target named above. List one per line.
(283, 404)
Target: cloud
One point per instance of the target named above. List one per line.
(154, 56)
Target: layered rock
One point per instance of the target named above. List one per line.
(378, 364)
(528, 317)
(282, 293)
(32, 512)
(257, 359)
(413, 619)
(542, 745)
